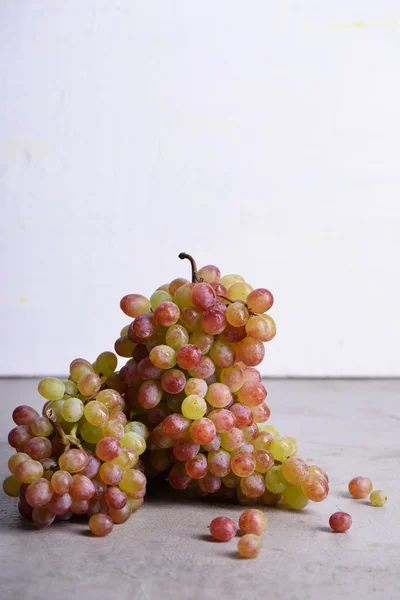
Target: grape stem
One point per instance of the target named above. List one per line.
(240, 301)
(66, 439)
(195, 277)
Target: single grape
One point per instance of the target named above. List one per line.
(80, 367)
(185, 449)
(295, 470)
(232, 377)
(82, 487)
(250, 352)
(60, 504)
(72, 410)
(233, 334)
(252, 394)
(294, 497)
(233, 439)
(223, 529)
(176, 426)
(106, 363)
(41, 427)
(24, 415)
(261, 328)
(275, 481)
(38, 448)
(249, 545)
(178, 478)
(253, 486)
(16, 459)
(214, 445)
(272, 431)
(112, 429)
(176, 336)
(19, 436)
(204, 370)
(89, 385)
(158, 297)
(42, 517)
(340, 521)
(188, 356)
(100, 525)
(237, 314)
(218, 395)
(251, 375)
(316, 488)
(210, 484)
(124, 346)
(219, 463)
(183, 295)
(111, 473)
(209, 273)
(319, 471)
(243, 415)
(51, 388)
(163, 357)
(239, 291)
(132, 481)
(197, 466)
(202, 431)
(142, 328)
(260, 300)
(202, 340)
(120, 516)
(253, 521)
(61, 482)
(196, 386)
(134, 305)
(39, 493)
(11, 486)
(150, 393)
(243, 464)
(223, 419)
(264, 460)
(173, 381)
(280, 448)
(28, 471)
(90, 433)
(96, 413)
(222, 354)
(270, 499)
(261, 413)
(229, 280)
(213, 321)
(378, 498)
(203, 296)
(252, 434)
(134, 441)
(115, 498)
(360, 487)
(194, 407)
(176, 284)
(231, 481)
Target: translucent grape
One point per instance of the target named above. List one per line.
(319, 471)
(163, 357)
(197, 466)
(59, 504)
(280, 448)
(272, 431)
(214, 445)
(41, 427)
(218, 395)
(194, 407)
(173, 381)
(119, 416)
(176, 336)
(106, 363)
(16, 459)
(72, 410)
(340, 521)
(237, 314)
(202, 340)
(38, 448)
(61, 482)
(183, 295)
(196, 386)
(249, 545)
(107, 449)
(24, 415)
(134, 441)
(127, 458)
(260, 300)
(239, 291)
(232, 377)
(149, 394)
(219, 462)
(132, 481)
(190, 318)
(243, 415)
(204, 370)
(11, 486)
(251, 375)
(295, 498)
(222, 354)
(185, 449)
(112, 429)
(252, 394)
(223, 419)
(223, 529)
(78, 368)
(264, 460)
(82, 488)
(275, 481)
(232, 440)
(28, 471)
(188, 356)
(51, 388)
(90, 433)
(124, 346)
(142, 328)
(251, 433)
(202, 431)
(250, 352)
(139, 428)
(316, 488)
(261, 328)
(203, 296)
(178, 478)
(213, 321)
(253, 521)
(175, 426)
(111, 473)
(39, 493)
(378, 498)
(229, 280)
(42, 517)
(115, 498)
(253, 486)
(209, 273)
(100, 525)
(175, 284)
(233, 334)
(243, 464)
(360, 487)
(167, 314)
(295, 470)
(89, 385)
(210, 484)
(161, 411)
(134, 305)
(96, 413)
(270, 499)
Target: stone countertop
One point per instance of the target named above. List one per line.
(349, 427)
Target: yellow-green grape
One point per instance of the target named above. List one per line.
(183, 295)
(124, 330)
(127, 458)
(71, 388)
(11, 486)
(137, 427)
(270, 429)
(176, 336)
(80, 367)
(261, 328)
(158, 297)
(262, 440)
(164, 287)
(196, 386)
(106, 363)
(90, 433)
(134, 441)
(56, 407)
(295, 446)
(163, 357)
(229, 280)
(51, 388)
(133, 481)
(72, 410)
(96, 413)
(275, 481)
(280, 448)
(89, 384)
(237, 314)
(202, 340)
(239, 291)
(295, 498)
(271, 325)
(378, 498)
(194, 407)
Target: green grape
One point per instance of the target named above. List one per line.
(80, 367)
(275, 481)
(176, 336)
(229, 280)
(124, 330)
(270, 429)
(163, 357)
(137, 427)
(11, 486)
(89, 384)
(90, 433)
(51, 388)
(106, 363)
(71, 388)
(96, 413)
(56, 407)
(132, 481)
(72, 410)
(295, 446)
(239, 291)
(378, 498)
(295, 498)
(194, 407)
(127, 458)
(183, 295)
(280, 448)
(158, 297)
(134, 441)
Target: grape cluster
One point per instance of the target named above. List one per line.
(81, 456)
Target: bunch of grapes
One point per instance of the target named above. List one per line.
(81, 456)
(191, 379)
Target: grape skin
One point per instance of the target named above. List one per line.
(223, 529)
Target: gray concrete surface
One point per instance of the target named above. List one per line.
(349, 427)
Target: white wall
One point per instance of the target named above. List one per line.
(261, 136)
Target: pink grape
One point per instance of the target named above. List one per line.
(134, 305)
(42, 517)
(202, 431)
(149, 394)
(210, 484)
(185, 449)
(24, 415)
(39, 493)
(19, 436)
(60, 504)
(249, 545)
(242, 464)
(340, 521)
(213, 322)
(251, 352)
(260, 300)
(219, 462)
(204, 370)
(61, 482)
(253, 521)
(79, 507)
(167, 314)
(243, 415)
(223, 529)
(175, 284)
(218, 395)
(73, 460)
(115, 498)
(82, 487)
(188, 356)
(100, 525)
(197, 466)
(223, 419)
(107, 449)
(178, 478)
(175, 426)
(209, 273)
(252, 394)
(253, 486)
(261, 413)
(111, 473)
(38, 448)
(190, 318)
(222, 354)
(233, 439)
(173, 381)
(146, 370)
(203, 296)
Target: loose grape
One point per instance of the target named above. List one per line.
(253, 521)
(243, 464)
(28, 471)
(100, 525)
(176, 336)
(294, 497)
(173, 381)
(295, 470)
(360, 487)
(340, 521)
(378, 498)
(164, 357)
(223, 529)
(24, 415)
(51, 388)
(11, 486)
(194, 407)
(39, 493)
(249, 545)
(134, 441)
(197, 466)
(61, 482)
(72, 410)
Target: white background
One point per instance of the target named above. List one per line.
(260, 136)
